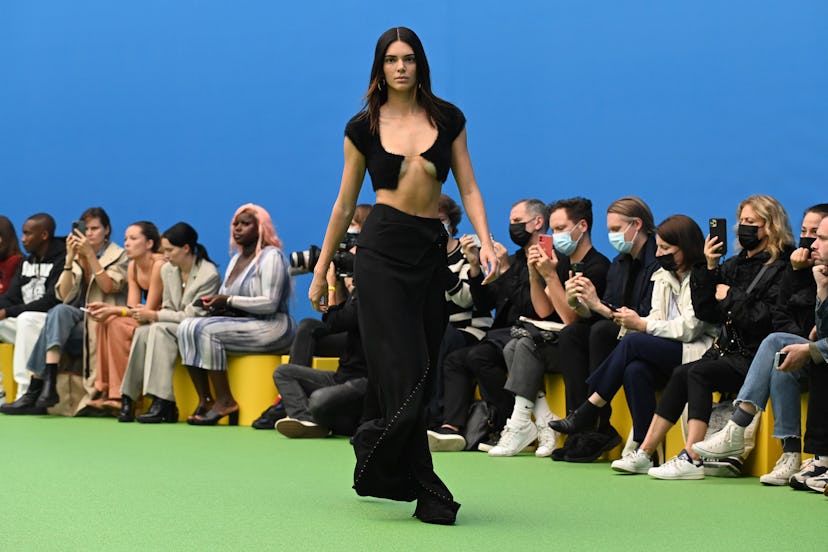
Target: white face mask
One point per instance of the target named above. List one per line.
(617, 240)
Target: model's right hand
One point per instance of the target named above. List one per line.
(318, 293)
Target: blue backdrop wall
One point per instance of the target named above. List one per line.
(182, 110)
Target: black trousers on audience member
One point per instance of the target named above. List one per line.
(481, 363)
(694, 383)
(816, 426)
(399, 271)
(582, 348)
(313, 338)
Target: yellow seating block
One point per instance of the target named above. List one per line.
(329, 364)
(7, 369)
(251, 381)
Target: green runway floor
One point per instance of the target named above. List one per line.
(73, 484)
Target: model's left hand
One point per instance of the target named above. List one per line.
(629, 319)
(798, 355)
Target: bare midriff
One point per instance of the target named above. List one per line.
(417, 192)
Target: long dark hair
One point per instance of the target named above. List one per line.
(150, 232)
(377, 93)
(8, 239)
(181, 234)
(684, 233)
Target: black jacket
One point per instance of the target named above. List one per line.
(794, 310)
(629, 281)
(750, 313)
(343, 318)
(33, 285)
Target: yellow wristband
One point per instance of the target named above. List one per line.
(99, 272)
(331, 288)
(124, 312)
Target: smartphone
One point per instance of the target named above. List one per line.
(545, 241)
(718, 229)
(577, 268)
(84, 309)
(778, 359)
(80, 226)
(610, 306)
(476, 240)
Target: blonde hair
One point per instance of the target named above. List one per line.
(777, 223)
(267, 233)
(634, 207)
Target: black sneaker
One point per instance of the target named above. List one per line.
(809, 470)
(445, 439)
(269, 417)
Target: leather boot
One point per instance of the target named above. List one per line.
(27, 403)
(48, 396)
(127, 410)
(160, 411)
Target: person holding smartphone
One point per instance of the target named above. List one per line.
(528, 359)
(771, 377)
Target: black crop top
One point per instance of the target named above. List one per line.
(384, 167)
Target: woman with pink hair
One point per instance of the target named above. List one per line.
(250, 314)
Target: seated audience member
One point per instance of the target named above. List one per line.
(250, 314)
(318, 402)
(94, 271)
(794, 321)
(740, 294)
(188, 275)
(587, 343)
(670, 335)
(467, 324)
(528, 359)
(31, 293)
(313, 337)
(483, 362)
(117, 324)
(10, 255)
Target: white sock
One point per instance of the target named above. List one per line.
(522, 413)
(543, 415)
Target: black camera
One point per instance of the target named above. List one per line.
(302, 262)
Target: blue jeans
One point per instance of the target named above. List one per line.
(783, 388)
(63, 329)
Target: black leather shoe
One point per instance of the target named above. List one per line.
(127, 410)
(48, 396)
(581, 419)
(160, 411)
(27, 403)
(269, 417)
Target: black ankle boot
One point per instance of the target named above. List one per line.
(127, 410)
(48, 396)
(582, 419)
(27, 403)
(160, 411)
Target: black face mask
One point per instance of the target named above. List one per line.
(748, 236)
(518, 233)
(806, 243)
(667, 262)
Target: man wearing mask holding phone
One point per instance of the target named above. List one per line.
(586, 343)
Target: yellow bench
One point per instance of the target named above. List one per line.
(7, 369)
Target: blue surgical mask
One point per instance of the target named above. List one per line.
(616, 240)
(564, 244)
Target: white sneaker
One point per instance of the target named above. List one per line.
(817, 483)
(547, 441)
(445, 440)
(295, 429)
(728, 441)
(513, 440)
(635, 461)
(678, 467)
(787, 465)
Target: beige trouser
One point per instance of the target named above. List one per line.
(23, 332)
(152, 361)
